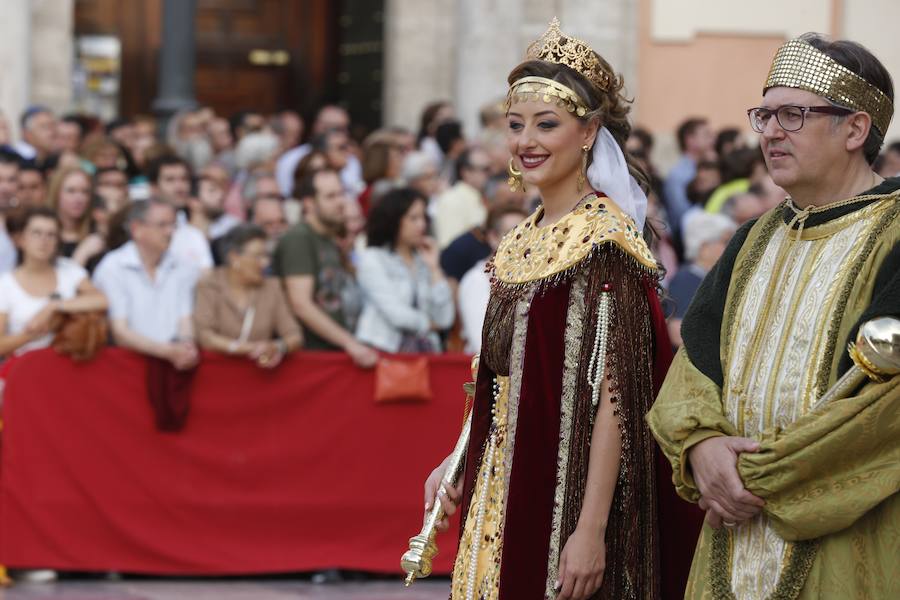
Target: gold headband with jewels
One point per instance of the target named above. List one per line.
(541, 88)
(798, 64)
(556, 47)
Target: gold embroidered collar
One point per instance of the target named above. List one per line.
(530, 253)
(877, 203)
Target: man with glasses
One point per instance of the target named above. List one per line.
(150, 291)
(801, 500)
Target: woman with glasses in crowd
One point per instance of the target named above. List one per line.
(241, 312)
(43, 288)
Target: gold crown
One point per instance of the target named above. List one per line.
(556, 47)
(797, 64)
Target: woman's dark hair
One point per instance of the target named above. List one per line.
(738, 164)
(427, 120)
(117, 234)
(376, 159)
(861, 61)
(19, 220)
(239, 236)
(305, 167)
(611, 107)
(645, 138)
(383, 225)
(447, 134)
(725, 137)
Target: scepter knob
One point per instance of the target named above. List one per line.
(877, 348)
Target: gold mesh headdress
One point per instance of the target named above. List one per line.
(798, 64)
(556, 47)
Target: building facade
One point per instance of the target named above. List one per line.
(387, 59)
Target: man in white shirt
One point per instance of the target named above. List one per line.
(475, 286)
(170, 179)
(329, 118)
(462, 207)
(150, 290)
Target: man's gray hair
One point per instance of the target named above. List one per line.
(140, 208)
(415, 165)
(702, 228)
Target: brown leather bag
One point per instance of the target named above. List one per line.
(402, 380)
(81, 336)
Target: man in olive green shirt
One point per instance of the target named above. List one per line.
(320, 287)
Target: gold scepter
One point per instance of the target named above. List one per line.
(416, 562)
(876, 357)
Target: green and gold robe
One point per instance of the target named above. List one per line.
(765, 337)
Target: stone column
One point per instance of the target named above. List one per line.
(487, 49)
(463, 51)
(419, 58)
(15, 32)
(177, 58)
(52, 48)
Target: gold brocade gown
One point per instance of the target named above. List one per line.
(533, 409)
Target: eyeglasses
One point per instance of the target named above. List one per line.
(40, 234)
(790, 117)
(164, 225)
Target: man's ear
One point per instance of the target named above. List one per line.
(859, 124)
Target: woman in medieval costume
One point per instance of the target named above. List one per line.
(559, 494)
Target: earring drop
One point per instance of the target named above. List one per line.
(515, 178)
(581, 174)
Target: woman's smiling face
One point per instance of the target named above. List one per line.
(546, 142)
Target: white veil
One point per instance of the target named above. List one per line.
(609, 174)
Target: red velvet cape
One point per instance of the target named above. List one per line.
(527, 528)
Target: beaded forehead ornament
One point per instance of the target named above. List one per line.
(556, 47)
(799, 65)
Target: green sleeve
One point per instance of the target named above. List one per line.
(296, 254)
(687, 411)
(831, 466)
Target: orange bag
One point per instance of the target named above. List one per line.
(82, 335)
(402, 380)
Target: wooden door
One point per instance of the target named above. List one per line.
(263, 55)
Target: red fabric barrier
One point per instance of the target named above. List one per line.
(292, 470)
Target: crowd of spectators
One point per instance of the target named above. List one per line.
(255, 235)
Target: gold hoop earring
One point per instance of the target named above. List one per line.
(515, 178)
(583, 172)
